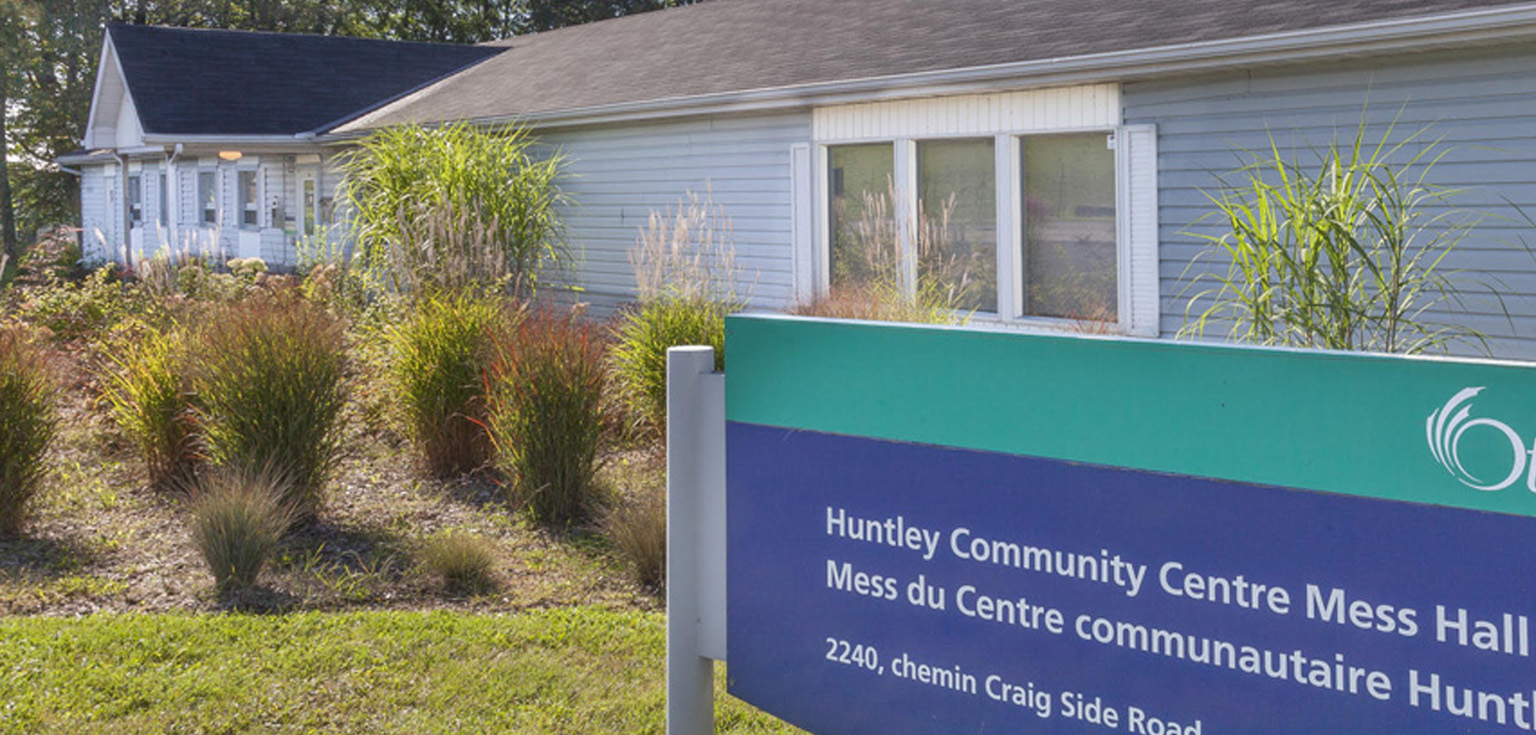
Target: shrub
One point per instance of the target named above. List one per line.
(238, 520)
(149, 397)
(270, 392)
(1348, 254)
(454, 206)
(441, 354)
(546, 417)
(638, 529)
(463, 561)
(643, 337)
(80, 309)
(28, 424)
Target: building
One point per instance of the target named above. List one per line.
(1065, 151)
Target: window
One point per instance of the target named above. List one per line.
(865, 246)
(136, 199)
(309, 206)
(956, 239)
(1031, 206)
(208, 196)
(247, 198)
(1069, 263)
(165, 198)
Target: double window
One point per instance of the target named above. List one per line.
(940, 200)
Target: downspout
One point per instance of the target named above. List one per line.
(122, 200)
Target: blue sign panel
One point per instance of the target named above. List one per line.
(878, 586)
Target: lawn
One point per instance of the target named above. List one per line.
(562, 670)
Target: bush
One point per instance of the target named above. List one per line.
(638, 529)
(546, 417)
(28, 424)
(74, 310)
(463, 561)
(150, 399)
(453, 207)
(878, 301)
(643, 337)
(238, 520)
(270, 392)
(441, 354)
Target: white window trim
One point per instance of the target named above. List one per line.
(1138, 298)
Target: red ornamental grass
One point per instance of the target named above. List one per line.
(546, 416)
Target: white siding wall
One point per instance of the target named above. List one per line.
(1090, 106)
(619, 175)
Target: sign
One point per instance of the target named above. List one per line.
(938, 530)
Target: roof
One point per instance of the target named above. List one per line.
(205, 82)
(726, 46)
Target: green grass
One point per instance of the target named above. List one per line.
(565, 670)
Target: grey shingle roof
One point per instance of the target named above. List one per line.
(738, 45)
(203, 82)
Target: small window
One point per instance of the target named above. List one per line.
(165, 198)
(248, 202)
(1069, 227)
(866, 249)
(208, 196)
(136, 198)
(957, 222)
(309, 206)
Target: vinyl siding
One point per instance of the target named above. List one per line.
(618, 175)
(94, 213)
(1479, 104)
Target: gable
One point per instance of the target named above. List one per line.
(114, 120)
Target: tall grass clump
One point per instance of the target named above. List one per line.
(1346, 254)
(270, 392)
(546, 417)
(445, 207)
(638, 529)
(462, 560)
(686, 279)
(148, 393)
(440, 356)
(238, 519)
(28, 425)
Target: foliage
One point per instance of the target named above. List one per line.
(28, 425)
(1348, 254)
(544, 671)
(238, 520)
(644, 335)
(546, 416)
(454, 207)
(638, 529)
(463, 560)
(73, 309)
(440, 356)
(149, 397)
(270, 392)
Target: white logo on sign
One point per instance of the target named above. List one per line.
(1445, 428)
